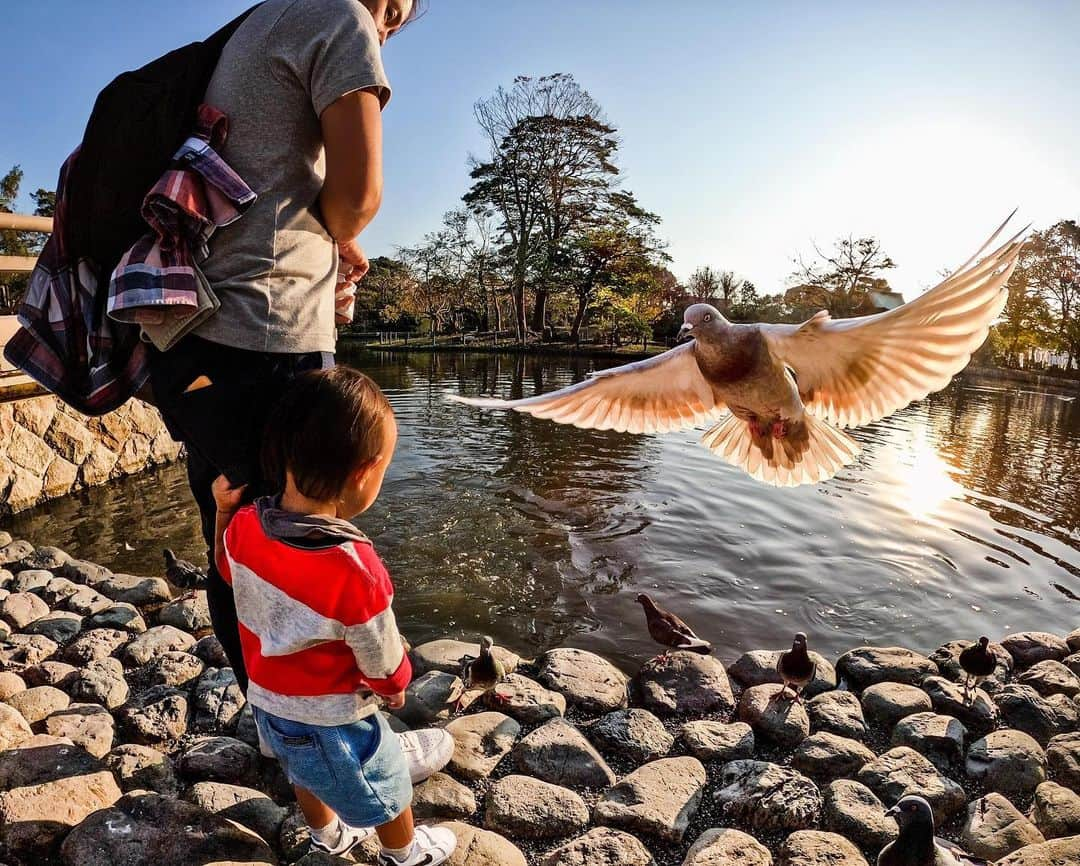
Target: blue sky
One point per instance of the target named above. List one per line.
(752, 128)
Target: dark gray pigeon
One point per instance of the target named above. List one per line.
(778, 396)
(796, 668)
(978, 663)
(181, 573)
(916, 845)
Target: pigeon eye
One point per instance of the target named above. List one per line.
(708, 317)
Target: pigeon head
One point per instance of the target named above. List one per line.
(984, 642)
(643, 599)
(486, 643)
(170, 557)
(701, 320)
(912, 810)
(800, 640)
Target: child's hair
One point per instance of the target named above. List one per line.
(326, 424)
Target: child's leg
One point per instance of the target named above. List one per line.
(397, 835)
(316, 812)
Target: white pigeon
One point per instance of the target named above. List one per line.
(780, 394)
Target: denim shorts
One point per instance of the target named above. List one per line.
(357, 770)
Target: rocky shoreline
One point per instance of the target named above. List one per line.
(124, 739)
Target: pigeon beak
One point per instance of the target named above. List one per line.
(684, 331)
(893, 812)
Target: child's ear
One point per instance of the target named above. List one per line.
(361, 472)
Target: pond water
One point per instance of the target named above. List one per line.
(961, 517)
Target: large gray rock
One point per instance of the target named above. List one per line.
(1058, 852)
(81, 571)
(1026, 710)
(658, 799)
(887, 703)
(601, 846)
(1063, 760)
(218, 701)
(43, 758)
(51, 673)
(139, 591)
(33, 580)
(525, 700)
(590, 683)
(22, 651)
(838, 713)
(156, 641)
(527, 808)
(143, 768)
(768, 797)
(100, 682)
(777, 719)
(253, 809)
(220, 759)
(156, 715)
(557, 752)
(939, 738)
(1046, 677)
(431, 698)
(480, 742)
(853, 811)
(120, 615)
(441, 798)
(59, 626)
(98, 643)
(684, 683)
(476, 847)
(57, 591)
(758, 668)
(995, 827)
(901, 770)
(867, 665)
(87, 601)
(20, 609)
(191, 613)
(1008, 762)
(450, 656)
(977, 712)
(725, 847)
(87, 725)
(47, 558)
(815, 848)
(635, 734)
(150, 828)
(174, 669)
(716, 741)
(824, 756)
(1056, 811)
(37, 703)
(1030, 647)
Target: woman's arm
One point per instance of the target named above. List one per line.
(352, 136)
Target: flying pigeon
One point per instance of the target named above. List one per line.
(978, 663)
(796, 668)
(668, 630)
(182, 573)
(779, 395)
(916, 845)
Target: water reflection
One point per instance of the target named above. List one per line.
(960, 517)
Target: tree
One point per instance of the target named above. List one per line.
(18, 243)
(840, 281)
(1057, 274)
(1026, 321)
(703, 285)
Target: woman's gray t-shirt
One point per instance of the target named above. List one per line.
(275, 269)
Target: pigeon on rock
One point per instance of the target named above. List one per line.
(181, 573)
(916, 845)
(796, 668)
(779, 395)
(978, 663)
(486, 671)
(668, 630)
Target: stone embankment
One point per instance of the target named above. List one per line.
(125, 739)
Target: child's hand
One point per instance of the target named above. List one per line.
(396, 702)
(227, 497)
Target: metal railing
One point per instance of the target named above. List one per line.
(13, 382)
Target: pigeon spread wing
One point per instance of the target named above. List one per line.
(854, 371)
(657, 395)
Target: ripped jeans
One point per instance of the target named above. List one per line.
(221, 421)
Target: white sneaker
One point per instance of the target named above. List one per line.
(427, 751)
(350, 837)
(432, 846)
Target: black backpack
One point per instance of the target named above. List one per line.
(138, 122)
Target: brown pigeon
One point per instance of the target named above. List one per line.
(780, 395)
(668, 630)
(978, 663)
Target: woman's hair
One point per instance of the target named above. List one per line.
(326, 424)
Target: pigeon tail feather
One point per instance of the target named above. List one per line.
(823, 452)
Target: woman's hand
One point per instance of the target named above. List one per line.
(227, 497)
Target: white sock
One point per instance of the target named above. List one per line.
(400, 853)
(330, 835)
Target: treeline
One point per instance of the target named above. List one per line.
(14, 243)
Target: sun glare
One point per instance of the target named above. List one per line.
(923, 479)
